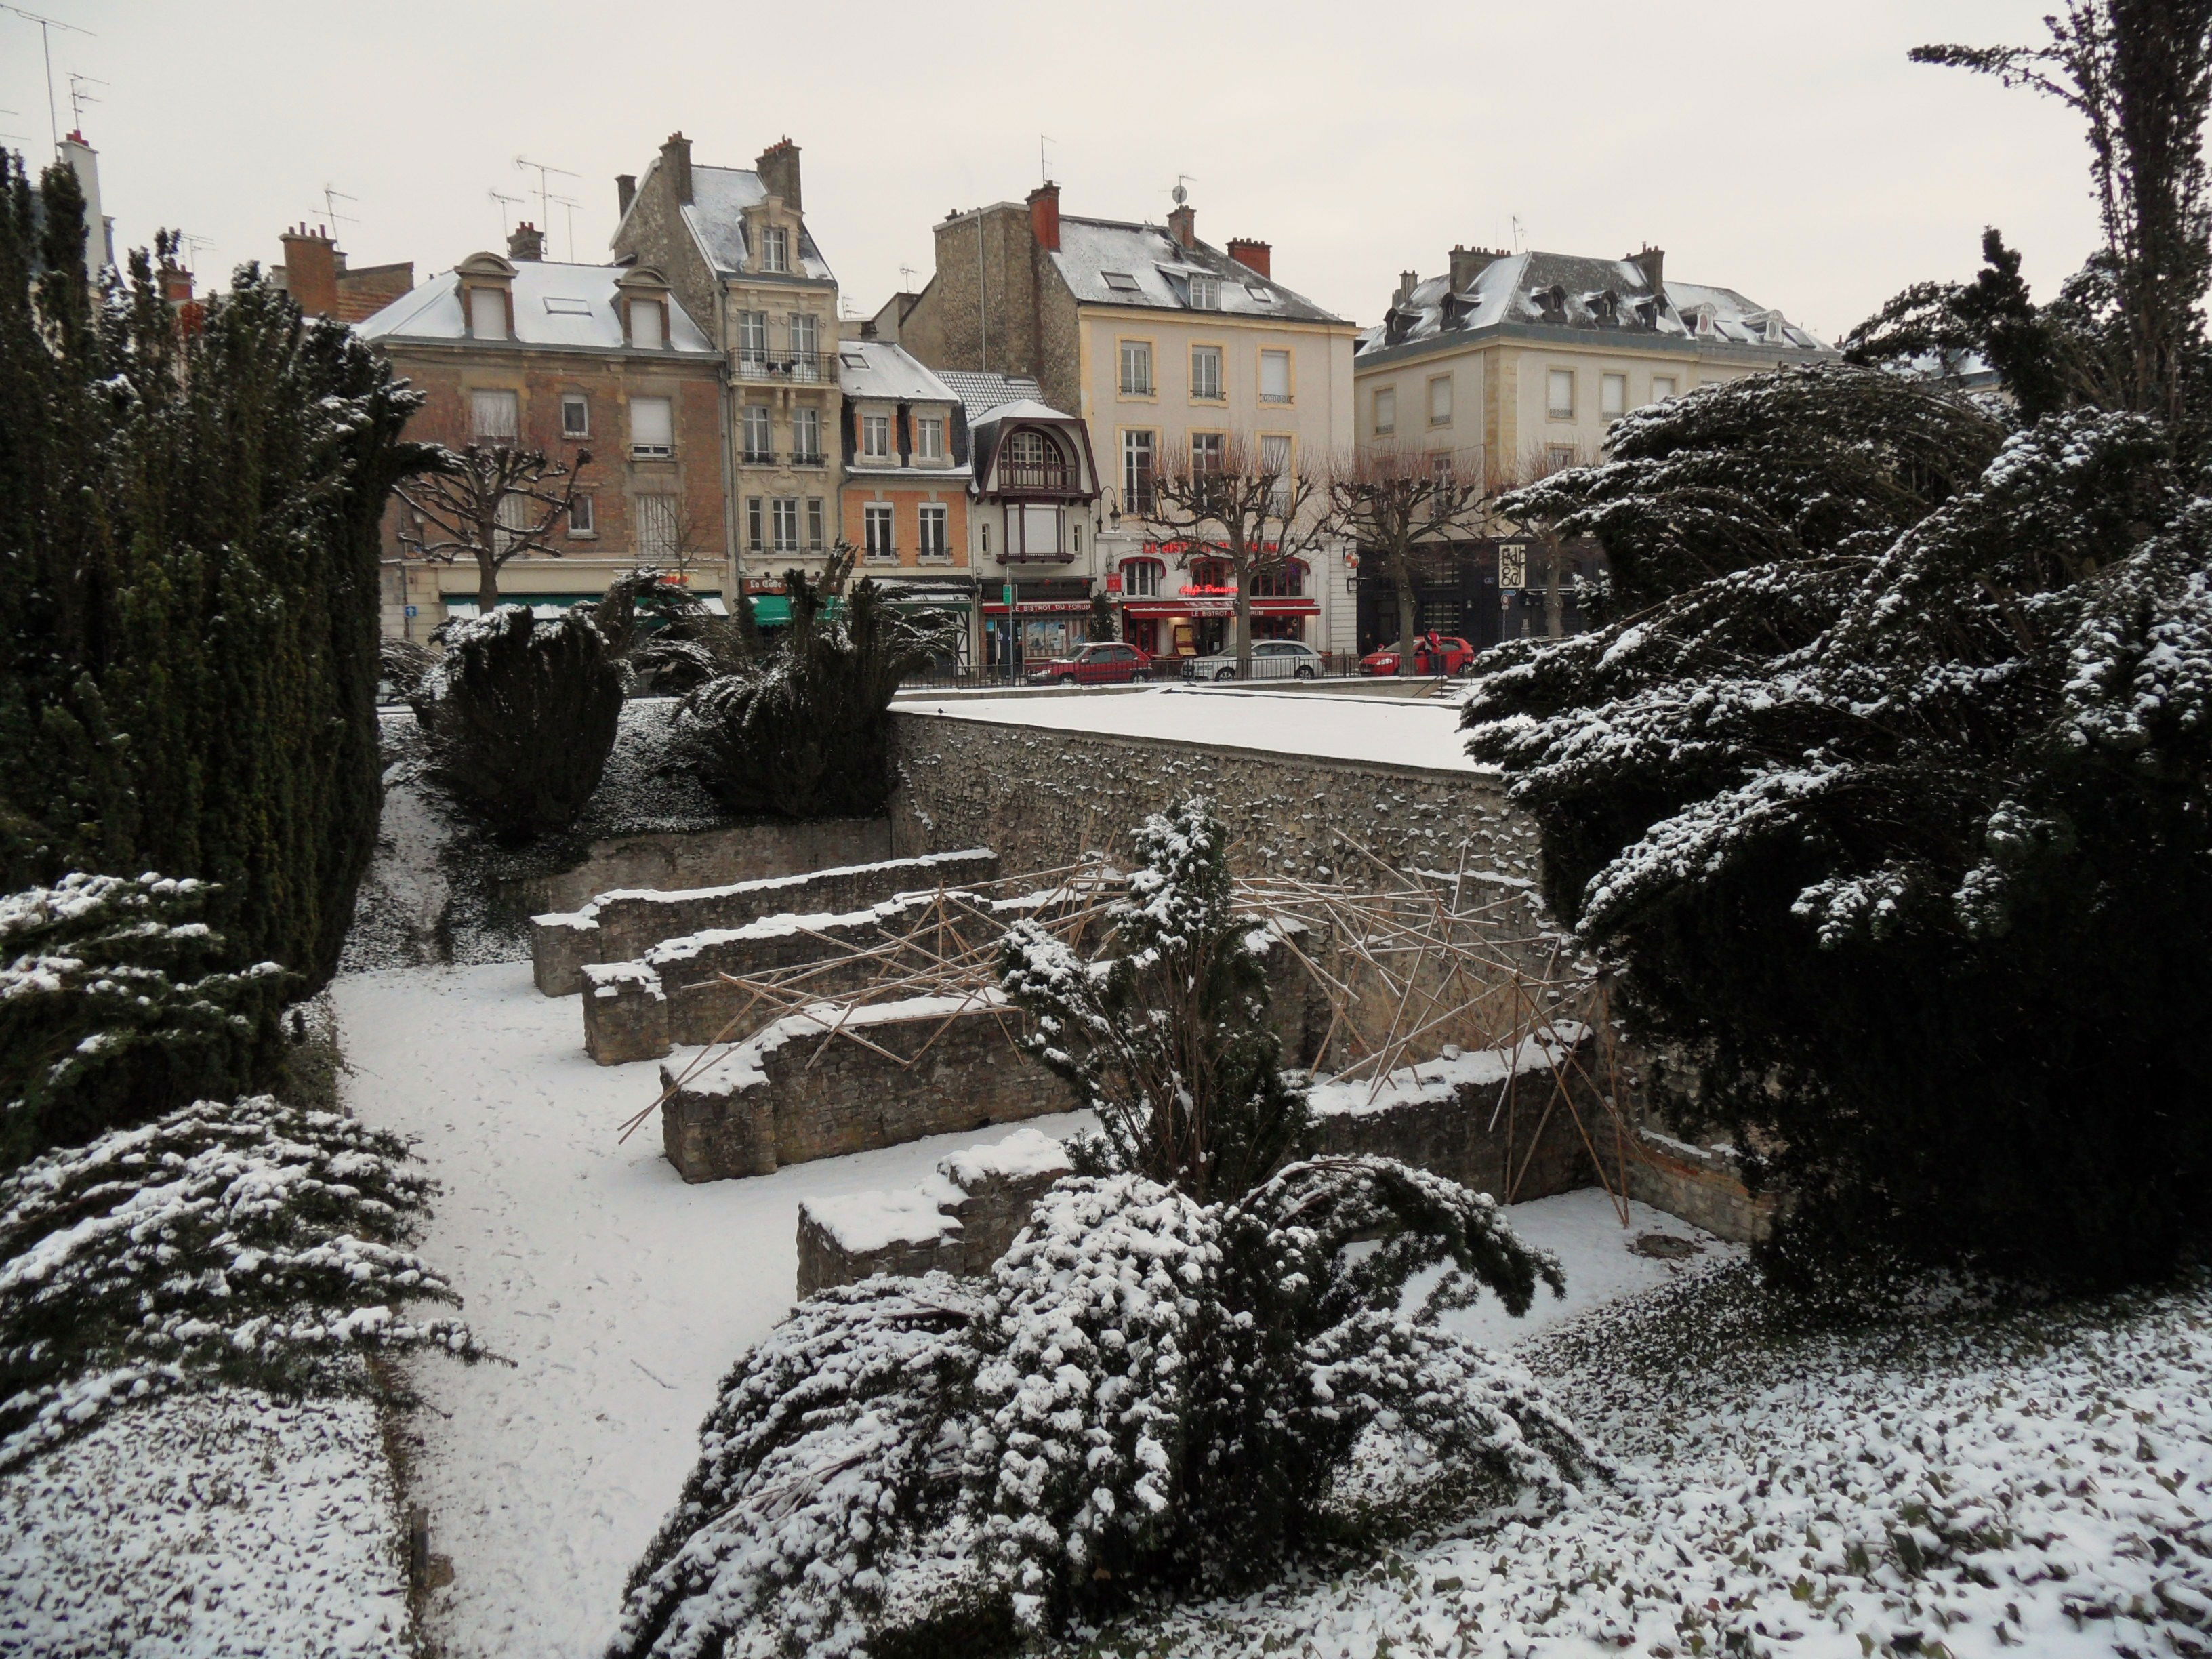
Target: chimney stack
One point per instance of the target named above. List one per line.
(1652, 262)
(1407, 282)
(1182, 225)
(310, 271)
(779, 170)
(1253, 256)
(176, 283)
(1469, 263)
(525, 241)
(625, 192)
(676, 157)
(1044, 216)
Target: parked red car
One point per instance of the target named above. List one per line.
(1106, 663)
(1458, 657)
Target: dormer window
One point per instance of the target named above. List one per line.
(1205, 293)
(775, 248)
(488, 314)
(649, 329)
(1776, 330)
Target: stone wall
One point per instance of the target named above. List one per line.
(1043, 797)
(622, 925)
(710, 857)
(1702, 1185)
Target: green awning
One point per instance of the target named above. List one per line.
(774, 609)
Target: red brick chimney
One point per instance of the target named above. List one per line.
(778, 168)
(525, 241)
(1253, 256)
(1044, 216)
(1182, 225)
(310, 271)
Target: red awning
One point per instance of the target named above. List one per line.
(1214, 606)
(1043, 608)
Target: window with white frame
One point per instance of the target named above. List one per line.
(806, 436)
(1206, 372)
(1440, 400)
(1136, 471)
(804, 339)
(1205, 293)
(652, 428)
(755, 541)
(875, 437)
(1662, 387)
(1440, 468)
(659, 538)
(929, 438)
(786, 508)
(1275, 463)
(1386, 410)
(1205, 453)
(514, 520)
(575, 414)
(1559, 394)
(488, 314)
(752, 339)
(1136, 369)
(647, 331)
(760, 442)
(583, 518)
(494, 418)
(1274, 377)
(1141, 578)
(775, 248)
(934, 532)
(876, 519)
(814, 523)
(1613, 396)
(1556, 456)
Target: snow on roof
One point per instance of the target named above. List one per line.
(1571, 291)
(1107, 262)
(716, 213)
(879, 368)
(554, 305)
(1023, 409)
(980, 392)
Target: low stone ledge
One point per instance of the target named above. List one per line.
(622, 925)
(1701, 1185)
(960, 1221)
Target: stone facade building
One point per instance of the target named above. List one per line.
(568, 359)
(1161, 343)
(1511, 365)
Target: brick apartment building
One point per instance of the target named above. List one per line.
(315, 274)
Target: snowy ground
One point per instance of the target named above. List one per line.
(206, 1524)
(1391, 731)
(623, 1296)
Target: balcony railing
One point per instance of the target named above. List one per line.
(764, 364)
(1032, 475)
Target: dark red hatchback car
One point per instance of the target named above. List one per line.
(1102, 663)
(1457, 657)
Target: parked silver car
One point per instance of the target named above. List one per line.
(1272, 659)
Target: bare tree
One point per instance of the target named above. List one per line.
(489, 503)
(1245, 504)
(1404, 503)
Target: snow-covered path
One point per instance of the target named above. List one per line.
(623, 1296)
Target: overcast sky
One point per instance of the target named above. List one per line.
(1786, 150)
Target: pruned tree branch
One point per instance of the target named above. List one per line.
(462, 506)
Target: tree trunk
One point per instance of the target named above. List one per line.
(1554, 616)
(1401, 563)
(1244, 627)
(487, 585)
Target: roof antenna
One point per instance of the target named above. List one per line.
(567, 204)
(46, 26)
(79, 97)
(1179, 195)
(544, 200)
(332, 197)
(1516, 233)
(906, 279)
(504, 202)
(1044, 172)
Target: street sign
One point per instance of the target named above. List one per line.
(412, 611)
(1513, 564)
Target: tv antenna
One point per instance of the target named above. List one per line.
(504, 202)
(906, 279)
(332, 197)
(46, 26)
(79, 97)
(194, 245)
(567, 204)
(1044, 172)
(1517, 233)
(1179, 195)
(544, 200)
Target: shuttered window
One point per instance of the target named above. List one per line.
(652, 427)
(657, 537)
(488, 314)
(645, 319)
(1274, 377)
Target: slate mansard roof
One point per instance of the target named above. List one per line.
(715, 217)
(554, 305)
(888, 373)
(1569, 294)
(1106, 262)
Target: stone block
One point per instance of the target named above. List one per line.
(625, 1012)
(1701, 1185)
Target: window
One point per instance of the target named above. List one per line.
(1440, 401)
(514, 515)
(984, 532)
(1205, 293)
(1386, 411)
(1275, 462)
(488, 314)
(575, 415)
(1136, 471)
(1274, 377)
(1440, 469)
(1259, 295)
(1040, 528)
(1209, 573)
(787, 523)
(1136, 369)
(1120, 281)
(775, 248)
(1206, 372)
(652, 428)
(935, 540)
(814, 523)
(1560, 394)
(806, 436)
(658, 540)
(1613, 396)
(495, 417)
(558, 305)
(753, 540)
(1559, 455)
(583, 520)
(752, 339)
(877, 519)
(876, 437)
(646, 318)
(1205, 453)
(1141, 577)
(1075, 537)
(802, 342)
(1283, 581)
(929, 438)
(760, 445)
(1662, 387)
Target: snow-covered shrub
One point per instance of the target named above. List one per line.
(518, 718)
(114, 1005)
(1165, 1036)
(251, 1243)
(1148, 1392)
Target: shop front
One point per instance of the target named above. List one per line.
(1192, 612)
(1049, 618)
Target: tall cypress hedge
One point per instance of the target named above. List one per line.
(189, 512)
